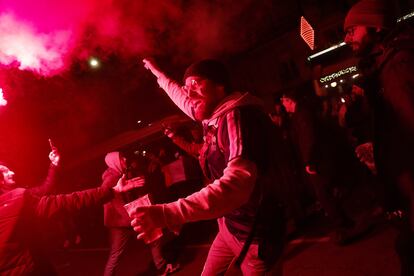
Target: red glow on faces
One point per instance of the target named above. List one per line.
(3, 101)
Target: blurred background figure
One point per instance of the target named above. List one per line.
(117, 220)
(193, 145)
(324, 155)
(386, 53)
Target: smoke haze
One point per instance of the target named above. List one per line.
(48, 36)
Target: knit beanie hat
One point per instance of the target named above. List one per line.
(210, 69)
(371, 13)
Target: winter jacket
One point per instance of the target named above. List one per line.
(21, 214)
(388, 72)
(115, 214)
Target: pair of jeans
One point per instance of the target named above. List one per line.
(227, 247)
(120, 237)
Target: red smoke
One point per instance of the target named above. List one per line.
(48, 36)
(39, 35)
(39, 52)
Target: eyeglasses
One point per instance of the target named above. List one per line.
(192, 86)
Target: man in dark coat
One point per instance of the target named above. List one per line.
(387, 63)
(22, 210)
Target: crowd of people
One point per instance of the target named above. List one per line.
(260, 170)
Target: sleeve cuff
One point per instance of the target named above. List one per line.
(171, 218)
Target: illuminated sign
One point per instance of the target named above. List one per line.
(307, 33)
(335, 75)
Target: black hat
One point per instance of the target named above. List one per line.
(371, 13)
(210, 69)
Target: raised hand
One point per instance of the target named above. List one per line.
(124, 185)
(150, 65)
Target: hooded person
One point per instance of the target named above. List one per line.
(114, 211)
(387, 63)
(117, 220)
(234, 158)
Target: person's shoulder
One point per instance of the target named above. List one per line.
(401, 38)
(399, 60)
(404, 53)
(12, 195)
(400, 44)
(110, 173)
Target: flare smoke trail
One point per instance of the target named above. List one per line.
(47, 36)
(38, 52)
